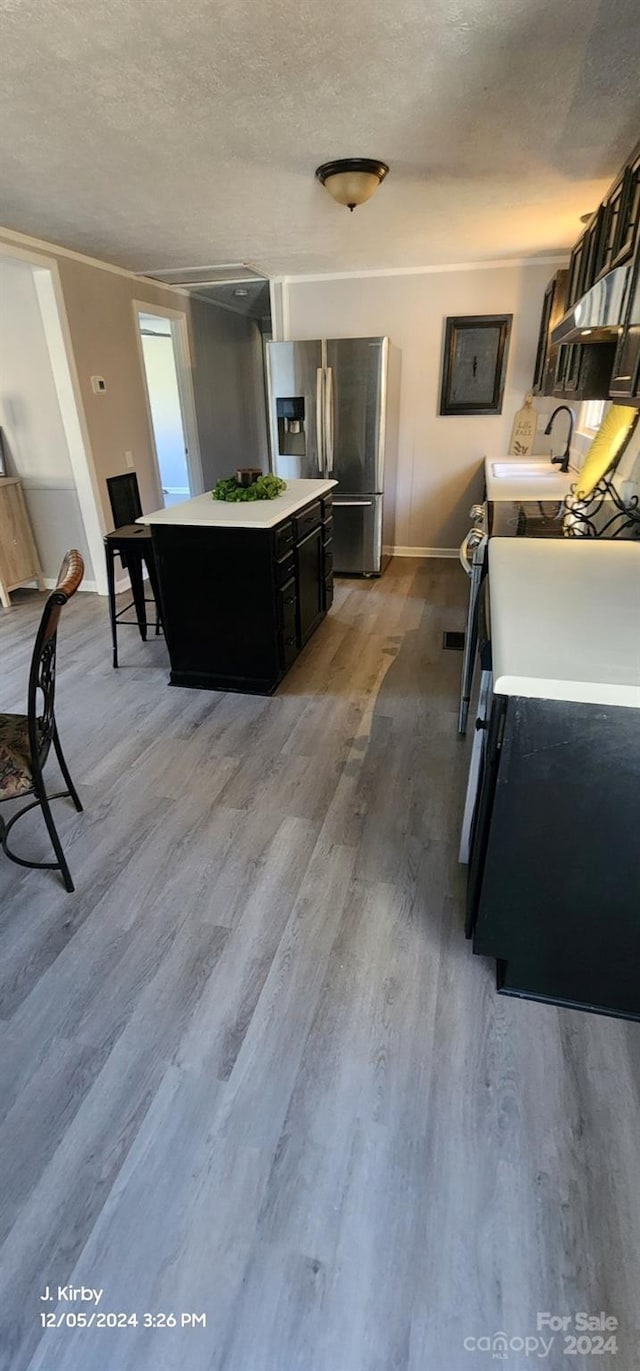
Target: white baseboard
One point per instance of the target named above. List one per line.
(424, 552)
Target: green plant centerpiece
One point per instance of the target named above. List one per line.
(264, 488)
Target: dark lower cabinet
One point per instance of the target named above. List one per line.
(310, 571)
(554, 877)
(239, 604)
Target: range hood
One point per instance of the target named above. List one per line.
(599, 314)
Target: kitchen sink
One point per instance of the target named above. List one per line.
(517, 469)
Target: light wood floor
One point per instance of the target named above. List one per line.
(251, 1068)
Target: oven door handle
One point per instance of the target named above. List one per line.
(472, 540)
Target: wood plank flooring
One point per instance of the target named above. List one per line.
(251, 1069)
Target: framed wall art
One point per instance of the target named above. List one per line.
(474, 365)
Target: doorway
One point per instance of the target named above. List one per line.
(161, 351)
(45, 441)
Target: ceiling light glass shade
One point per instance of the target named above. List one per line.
(352, 180)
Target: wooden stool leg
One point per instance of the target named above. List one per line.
(137, 590)
(111, 583)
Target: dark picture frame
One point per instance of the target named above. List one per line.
(474, 366)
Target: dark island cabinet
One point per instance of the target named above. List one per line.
(310, 584)
(238, 604)
(554, 873)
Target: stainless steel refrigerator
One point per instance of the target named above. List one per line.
(333, 412)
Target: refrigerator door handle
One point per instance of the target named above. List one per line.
(328, 419)
(351, 503)
(319, 424)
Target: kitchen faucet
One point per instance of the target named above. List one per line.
(562, 462)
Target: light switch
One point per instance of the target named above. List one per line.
(128, 457)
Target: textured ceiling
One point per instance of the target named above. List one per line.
(159, 134)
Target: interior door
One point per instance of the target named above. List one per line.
(296, 403)
(355, 401)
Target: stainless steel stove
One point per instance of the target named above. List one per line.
(605, 517)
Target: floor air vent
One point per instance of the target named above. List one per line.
(453, 642)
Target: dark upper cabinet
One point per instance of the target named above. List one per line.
(612, 224)
(571, 371)
(593, 246)
(583, 371)
(625, 379)
(627, 240)
(597, 370)
(574, 282)
(553, 308)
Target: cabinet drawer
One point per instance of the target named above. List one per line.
(327, 529)
(328, 593)
(305, 522)
(284, 540)
(327, 506)
(285, 569)
(327, 554)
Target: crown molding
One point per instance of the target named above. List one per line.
(11, 237)
(490, 265)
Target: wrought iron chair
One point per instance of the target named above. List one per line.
(26, 739)
(133, 544)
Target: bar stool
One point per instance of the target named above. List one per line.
(133, 544)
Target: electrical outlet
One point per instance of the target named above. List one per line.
(128, 457)
(98, 384)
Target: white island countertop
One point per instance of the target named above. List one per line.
(205, 512)
(565, 619)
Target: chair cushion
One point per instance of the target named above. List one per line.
(15, 756)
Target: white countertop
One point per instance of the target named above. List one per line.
(204, 512)
(554, 484)
(565, 619)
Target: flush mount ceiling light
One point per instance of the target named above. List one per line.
(352, 180)
(584, 218)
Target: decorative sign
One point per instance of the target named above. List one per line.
(524, 428)
(475, 364)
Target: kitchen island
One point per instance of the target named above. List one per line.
(244, 585)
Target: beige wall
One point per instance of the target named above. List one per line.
(99, 308)
(439, 471)
(33, 428)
